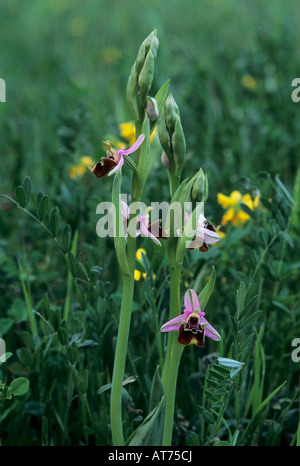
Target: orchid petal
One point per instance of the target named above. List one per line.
(211, 236)
(210, 332)
(133, 148)
(173, 324)
(118, 166)
(145, 232)
(201, 220)
(191, 302)
(125, 210)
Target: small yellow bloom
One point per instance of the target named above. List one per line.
(137, 275)
(77, 171)
(87, 161)
(139, 253)
(127, 132)
(232, 203)
(249, 82)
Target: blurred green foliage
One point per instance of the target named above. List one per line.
(66, 66)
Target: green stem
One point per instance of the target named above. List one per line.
(125, 317)
(122, 342)
(27, 295)
(174, 311)
(173, 355)
(120, 360)
(70, 281)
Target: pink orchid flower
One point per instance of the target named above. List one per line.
(205, 234)
(115, 159)
(191, 325)
(143, 225)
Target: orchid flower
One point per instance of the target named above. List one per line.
(115, 159)
(144, 226)
(191, 325)
(205, 234)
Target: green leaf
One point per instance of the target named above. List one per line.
(233, 322)
(26, 183)
(142, 157)
(284, 190)
(247, 209)
(240, 298)
(81, 296)
(149, 433)
(18, 387)
(20, 196)
(232, 363)
(108, 386)
(207, 416)
(62, 336)
(206, 293)
(160, 98)
(54, 221)
(119, 232)
(211, 395)
(42, 205)
(67, 238)
(157, 390)
(5, 325)
(250, 320)
(4, 357)
(18, 310)
(25, 356)
(256, 416)
(73, 264)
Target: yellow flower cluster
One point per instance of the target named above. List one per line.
(77, 171)
(232, 203)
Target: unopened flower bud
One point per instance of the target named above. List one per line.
(171, 112)
(164, 160)
(152, 109)
(200, 187)
(141, 76)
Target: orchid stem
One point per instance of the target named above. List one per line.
(173, 355)
(120, 360)
(123, 331)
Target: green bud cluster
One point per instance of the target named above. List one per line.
(141, 76)
(172, 139)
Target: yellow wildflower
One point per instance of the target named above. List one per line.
(139, 253)
(127, 132)
(232, 203)
(137, 274)
(77, 171)
(222, 234)
(249, 82)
